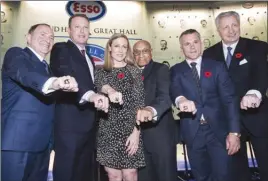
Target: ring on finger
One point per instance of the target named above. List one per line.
(66, 81)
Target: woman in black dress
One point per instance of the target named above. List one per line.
(119, 144)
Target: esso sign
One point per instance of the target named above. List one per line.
(94, 10)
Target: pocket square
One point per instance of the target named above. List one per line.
(243, 62)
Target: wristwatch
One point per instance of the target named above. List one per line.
(236, 134)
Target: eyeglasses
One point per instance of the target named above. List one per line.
(138, 52)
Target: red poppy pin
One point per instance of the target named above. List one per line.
(142, 77)
(120, 75)
(208, 74)
(238, 55)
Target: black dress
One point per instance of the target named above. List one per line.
(117, 125)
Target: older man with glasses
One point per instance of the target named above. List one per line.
(158, 127)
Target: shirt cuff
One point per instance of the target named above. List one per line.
(155, 112)
(177, 101)
(47, 84)
(85, 97)
(256, 92)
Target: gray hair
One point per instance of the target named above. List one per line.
(226, 14)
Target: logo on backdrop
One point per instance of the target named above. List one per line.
(94, 10)
(96, 52)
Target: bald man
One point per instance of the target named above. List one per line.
(158, 125)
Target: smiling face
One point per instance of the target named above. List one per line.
(118, 49)
(142, 53)
(191, 46)
(41, 40)
(229, 29)
(79, 30)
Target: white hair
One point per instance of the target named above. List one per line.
(226, 14)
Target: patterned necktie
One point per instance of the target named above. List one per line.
(83, 53)
(229, 56)
(46, 66)
(196, 77)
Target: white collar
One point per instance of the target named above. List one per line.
(38, 56)
(197, 61)
(77, 45)
(233, 46)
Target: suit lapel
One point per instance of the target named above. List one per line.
(34, 60)
(203, 80)
(240, 47)
(147, 70)
(80, 58)
(188, 75)
(219, 53)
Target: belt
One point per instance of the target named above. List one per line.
(202, 121)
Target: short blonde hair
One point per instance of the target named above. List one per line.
(108, 64)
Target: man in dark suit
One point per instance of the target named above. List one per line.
(159, 133)
(248, 67)
(27, 108)
(204, 93)
(75, 121)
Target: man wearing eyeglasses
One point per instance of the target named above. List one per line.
(158, 125)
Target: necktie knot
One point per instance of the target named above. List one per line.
(193, 64)
(83, 52)
(229, 49)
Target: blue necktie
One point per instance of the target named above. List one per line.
(46, 66)
(196, 78)
(229, 56)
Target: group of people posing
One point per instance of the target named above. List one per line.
(122, 111)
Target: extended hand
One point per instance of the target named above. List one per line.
(250, 101)
(115, 97)
(186, 105)
(144, 115)
(232, 144)
(100, 102)
(65, 83)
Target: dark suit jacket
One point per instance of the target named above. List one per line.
(27, 114)
(218, 104)
(66, 59)
(251, 75)
(156, 84)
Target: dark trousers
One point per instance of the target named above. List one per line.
(260, 147)
(74, 156)
(208, 157)
(160, 164)
(24, 166)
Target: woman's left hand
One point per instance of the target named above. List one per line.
(132, 142)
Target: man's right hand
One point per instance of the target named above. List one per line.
(186, 105)
(65, 83)
(115, 97)
(100, 102)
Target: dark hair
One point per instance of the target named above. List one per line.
(32, 28)
(190, 31)
(166, 62)
(76, 15)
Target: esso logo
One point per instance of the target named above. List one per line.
(94, 10)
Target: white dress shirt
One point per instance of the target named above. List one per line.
(225, 52)
(85, 97)
(47, 84)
